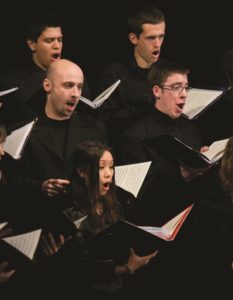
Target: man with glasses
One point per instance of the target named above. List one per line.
(169, 85)
(168, 192)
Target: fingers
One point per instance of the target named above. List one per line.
(5, 275)
(132, 251)
(204, 149)
(45, 246)
(61, 240)
(3, 265)
(54, 187)
(154, 254)
(50, 245)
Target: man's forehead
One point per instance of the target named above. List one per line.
(177, 77)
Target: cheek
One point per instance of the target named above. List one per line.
(101, 176)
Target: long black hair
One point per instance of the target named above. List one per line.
(86, 190)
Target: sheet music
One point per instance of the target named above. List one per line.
(103, 96)
(78, 222)
(130, 177)
(97, 102)
(216, 149)
(25, 243)
(158, 231)
(198, 99)
(3, 225)
(2, 93)
(15, 141)
(174, 223)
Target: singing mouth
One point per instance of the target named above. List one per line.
(56, 55)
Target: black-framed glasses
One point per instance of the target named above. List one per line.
(176, 87)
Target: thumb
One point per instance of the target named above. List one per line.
(132, 252)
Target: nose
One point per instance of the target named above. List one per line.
(76, 92)
(184, 92)
(108, 172)
(56, 44)
(158, 42)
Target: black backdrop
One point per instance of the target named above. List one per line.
(198, 34)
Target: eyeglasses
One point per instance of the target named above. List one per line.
(176, 87)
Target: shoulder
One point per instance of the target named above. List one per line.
(121, 66)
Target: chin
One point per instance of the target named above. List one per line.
(103, 193)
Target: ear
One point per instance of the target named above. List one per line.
(156, 91)
(32, 45)
(133, 38)
(47, 84)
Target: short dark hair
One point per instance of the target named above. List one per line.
(39, 23)
(142, 14)
(160, 71)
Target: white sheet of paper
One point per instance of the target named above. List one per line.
(130, 177)
(25, 243)
(78, 222)
(3, 225)
(2, 93)
(97, 102)
(216, 150)
(15, 141)
(198, 99)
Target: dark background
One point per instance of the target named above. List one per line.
(198, 34)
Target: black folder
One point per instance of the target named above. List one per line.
(171, 147)
(116, 240)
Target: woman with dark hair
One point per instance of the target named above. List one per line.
(94, 186)
(95, 197)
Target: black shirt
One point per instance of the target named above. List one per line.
(130, 101)
(155, 124)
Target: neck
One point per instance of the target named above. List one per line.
(36, 62)
(141, 63)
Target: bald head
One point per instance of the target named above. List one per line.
(63, 85)
(61, 67)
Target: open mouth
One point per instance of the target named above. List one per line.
(180, 105)
(106, 184)
(155, 53)
(71, 104)
(56, 55)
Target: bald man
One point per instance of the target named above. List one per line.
(45, 170)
